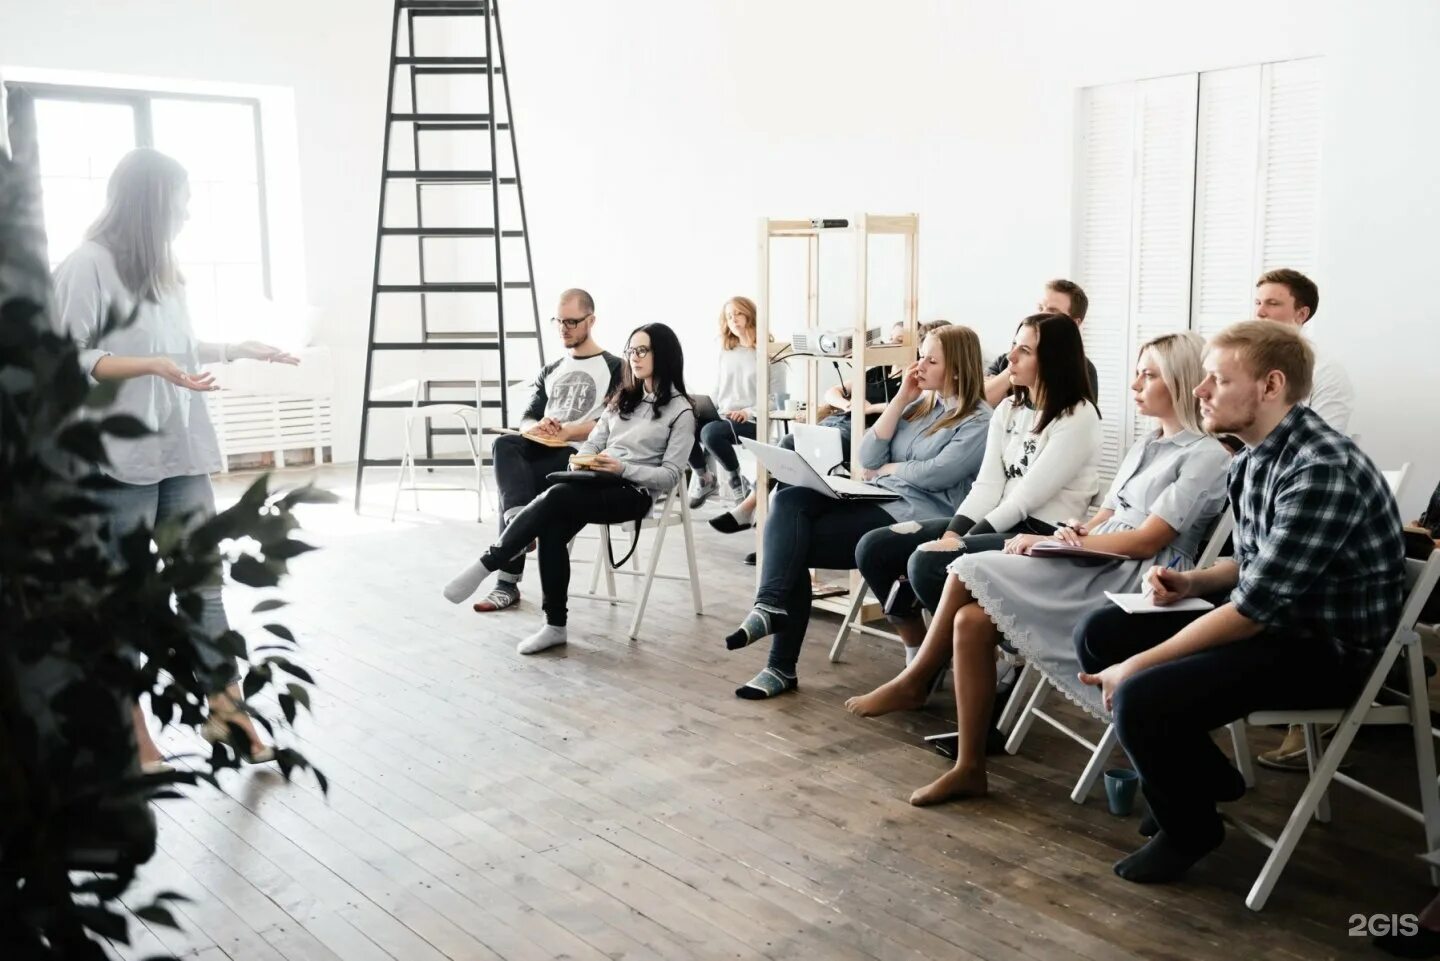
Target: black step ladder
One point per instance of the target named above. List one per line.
(518, 346)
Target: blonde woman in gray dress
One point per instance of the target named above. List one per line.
(1165, 497)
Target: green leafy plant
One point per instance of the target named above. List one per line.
(84, 635)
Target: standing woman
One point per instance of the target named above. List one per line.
(637, 452)
(735, 401)
(127, 263)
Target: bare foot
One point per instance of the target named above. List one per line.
(954, 784)
(897, 694)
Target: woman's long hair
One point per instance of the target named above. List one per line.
(668, 373)
(1062, 381)
(138, 222)
(964, 377)
(1179, 357)
(746, 308)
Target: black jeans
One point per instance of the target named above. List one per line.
(1164, 715)
(807, 529)
(554, 518)
(520, 469)
(883, 555)
(720, 438)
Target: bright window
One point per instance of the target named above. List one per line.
(223, 250)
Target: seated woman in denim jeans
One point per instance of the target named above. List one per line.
(1042, 465)
(926, 448)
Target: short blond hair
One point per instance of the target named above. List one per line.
(1264, 346)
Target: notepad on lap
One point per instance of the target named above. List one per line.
(1061, 549)
(1145, 604)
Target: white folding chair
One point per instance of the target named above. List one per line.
(853, 621)
(423, 410)
(1017, 721)
(671, 510)
(1396, 478)
(1420, 579)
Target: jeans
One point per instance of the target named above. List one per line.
(806, 529)
(520, 469)
(720, 438)
(1164, 714)
(130, 505)
(885, 554)
(554, 518)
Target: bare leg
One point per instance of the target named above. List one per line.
(975, 638)
(144, 744)
(911, 687)
(224, 706)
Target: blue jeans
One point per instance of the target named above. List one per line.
(719, 438)
(130, 505)
(807, 529)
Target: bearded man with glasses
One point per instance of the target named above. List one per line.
(565, 400)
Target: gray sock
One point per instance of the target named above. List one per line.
(910, 654)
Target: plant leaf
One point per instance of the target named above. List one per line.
(124, 425)
(280, 631)
(273, 604)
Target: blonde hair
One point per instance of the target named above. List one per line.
(136, 226)
(745, 307)
(1178, 356)
(964, 373)
(1263, 346)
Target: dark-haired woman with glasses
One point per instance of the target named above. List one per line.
(642, 441)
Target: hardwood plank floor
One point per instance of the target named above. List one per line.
(613, 799)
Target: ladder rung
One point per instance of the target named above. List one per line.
(444, 8)
(441, 288)
(470, 384)
(424, 127)
(442, 62)
(477, 176)
(435, 345)
(441, 118)
(455, 431)
(479, 334)
(447, 232)
(399, 404)
(422, 71)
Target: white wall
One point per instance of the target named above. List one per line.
(653, 134)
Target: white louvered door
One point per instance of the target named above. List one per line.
(1288, 202)
(1164, 185)
(1102, 245)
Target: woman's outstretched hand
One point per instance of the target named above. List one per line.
(167, 369)
(255, 350)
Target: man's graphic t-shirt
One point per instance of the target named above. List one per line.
(572, 388)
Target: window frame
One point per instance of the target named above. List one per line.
(139, 101)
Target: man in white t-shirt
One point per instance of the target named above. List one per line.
(1287, 296)
(565, 400)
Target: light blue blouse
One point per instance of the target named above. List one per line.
(1180, 479)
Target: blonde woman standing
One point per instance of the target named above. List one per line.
(127, 264)
(735, 403)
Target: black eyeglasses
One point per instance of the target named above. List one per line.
(569, 323)
(640, 352)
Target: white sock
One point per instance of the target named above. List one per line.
(744, 515)
(910, 654)
(467, 582)
(542, 640)
(507, 577)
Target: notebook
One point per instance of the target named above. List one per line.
(1145, 604)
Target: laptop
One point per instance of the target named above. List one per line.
(704, 408)
(790, 468)
(822, 447)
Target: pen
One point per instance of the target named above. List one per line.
(1148, 590)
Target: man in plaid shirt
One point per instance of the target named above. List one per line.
(1314, 593)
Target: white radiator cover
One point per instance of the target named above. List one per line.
(272, 408)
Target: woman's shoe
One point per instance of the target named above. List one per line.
(215, 730)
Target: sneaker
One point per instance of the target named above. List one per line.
(739, 487)
(504, 594)
(701, 488)
(1290, 755)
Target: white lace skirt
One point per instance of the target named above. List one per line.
(1036, 602)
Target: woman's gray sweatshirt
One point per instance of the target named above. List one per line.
(653, 450)
(934, 471)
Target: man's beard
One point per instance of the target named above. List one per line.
(1235, 424)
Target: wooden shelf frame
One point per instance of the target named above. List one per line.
(861, 228)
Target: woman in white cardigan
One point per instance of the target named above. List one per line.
(1041, 466)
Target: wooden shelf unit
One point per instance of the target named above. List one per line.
(861, 228)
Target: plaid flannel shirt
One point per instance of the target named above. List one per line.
(1317, 536)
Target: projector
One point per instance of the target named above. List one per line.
(830, 343)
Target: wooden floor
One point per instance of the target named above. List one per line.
(615, 800)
